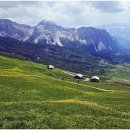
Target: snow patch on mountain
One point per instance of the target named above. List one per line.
(101, 46)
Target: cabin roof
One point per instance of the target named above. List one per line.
(50, 66)
(95, 77)
(79, 75)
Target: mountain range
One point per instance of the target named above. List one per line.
(48, 32)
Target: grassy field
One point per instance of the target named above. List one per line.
(33, 97)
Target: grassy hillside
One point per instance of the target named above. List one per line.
(33, 97)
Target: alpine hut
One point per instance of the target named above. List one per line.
(50, 67)
(78, 76)
(95, 79)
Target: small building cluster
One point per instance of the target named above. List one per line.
(93, 78)
(78, 76)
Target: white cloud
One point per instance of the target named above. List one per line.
(70, 13)
(110, 6)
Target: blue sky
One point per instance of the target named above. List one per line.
(68, 14)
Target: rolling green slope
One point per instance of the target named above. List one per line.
(33, 97)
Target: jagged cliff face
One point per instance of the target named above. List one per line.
(14, 30)
(47, 32)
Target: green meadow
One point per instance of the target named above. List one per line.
(33, 97)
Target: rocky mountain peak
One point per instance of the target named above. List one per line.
(47, 22)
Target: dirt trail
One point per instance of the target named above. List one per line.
(69, 73)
